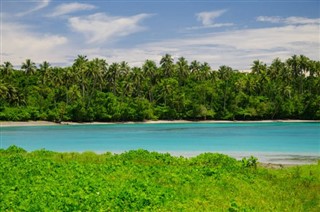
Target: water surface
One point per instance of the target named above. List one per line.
(270, 142)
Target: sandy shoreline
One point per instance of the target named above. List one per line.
(48, 123)
(264, 163)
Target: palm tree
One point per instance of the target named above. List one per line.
(124, 69)
(94, 75)
(167, 65)
(9, 93)
(44, 66)
(136, 77)
(7, 68)
(225, 73)
(258, 67)
(44, 69)
(314, 68)
(80, 67)
(150, 73)
(294, 64)
(204, 71)
(95, 72)
(275, 69)
(29, 67)
(304, 64)
(3, 90)
(150, 70)
(259, 70)
(112, 75)
(167, 87)
(183, 69)
(194, 66)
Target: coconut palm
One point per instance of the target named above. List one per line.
(44, 71)
(182, 69)
(3, 90)
(95, 72)
(167, 65)
(6, 68)
(149, 69)
(136, 77)
(194, 66)
(29, 67)
(112, 76)
(80, 67)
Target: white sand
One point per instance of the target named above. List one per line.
(47, 123)
(25, 123)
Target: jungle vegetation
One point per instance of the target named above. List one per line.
(93, 90)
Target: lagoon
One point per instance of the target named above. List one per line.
(275, 142)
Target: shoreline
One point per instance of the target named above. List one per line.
(279, 161)
(48, 123)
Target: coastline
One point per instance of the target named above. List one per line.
(48, 123)
(265, 160)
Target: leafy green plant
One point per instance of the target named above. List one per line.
(249, 162)
(140, 180)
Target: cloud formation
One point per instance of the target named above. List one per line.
(236, 48)
(68, 8)
(207, 18)
(40, 5)
(99, 27)
(293, 20)
(26, 44)
(210, 26)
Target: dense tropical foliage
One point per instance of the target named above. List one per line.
(148, 181)
(92, 90)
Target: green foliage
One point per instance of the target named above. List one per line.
(15, 149)
(250, 162)
(140, 180)
(92, 90)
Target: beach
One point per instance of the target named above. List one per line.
(48, 123)
(277, 159)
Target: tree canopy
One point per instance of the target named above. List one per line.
(93, 90)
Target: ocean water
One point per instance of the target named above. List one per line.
(278, 142)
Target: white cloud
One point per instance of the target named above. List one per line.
(210, 26)
(100, 27)
(293, 20)
(40, 5)
(20, 43)
(271, 19)
(207, 18)
(236, 48)
(68, 8)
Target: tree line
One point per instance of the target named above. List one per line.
(93, 90)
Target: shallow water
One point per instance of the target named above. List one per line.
(270, 142)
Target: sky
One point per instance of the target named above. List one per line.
(233, 33)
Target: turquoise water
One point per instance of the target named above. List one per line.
(269, 141)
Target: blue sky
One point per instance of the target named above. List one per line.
(230, 33)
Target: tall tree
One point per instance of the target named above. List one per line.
(167, 65)
(44, 69)
(6, 69)
(80, 66)
(112, 76)
(29, 67)
(182, 70)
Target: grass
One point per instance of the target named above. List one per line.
(143, 181)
